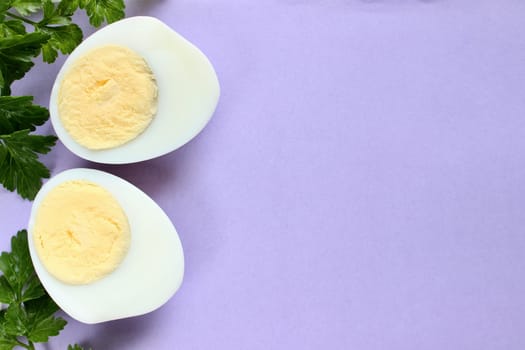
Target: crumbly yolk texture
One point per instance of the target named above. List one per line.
(107, 98)
(81, 232)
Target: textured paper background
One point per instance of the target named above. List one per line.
(361, 186)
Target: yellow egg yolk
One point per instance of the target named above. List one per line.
(81, 232)
(107, 98)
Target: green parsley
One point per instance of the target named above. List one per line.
(20, 168)
(30, 315)
(19, 113)
(53, 31)
(16, 53)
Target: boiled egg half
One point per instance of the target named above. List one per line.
(184, 96)
(149, 264)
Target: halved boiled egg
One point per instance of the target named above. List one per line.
(102, 248)
(132, 91)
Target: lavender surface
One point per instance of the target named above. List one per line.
(361, 185)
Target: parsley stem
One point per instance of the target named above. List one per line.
(10, 14)
(31, 345)
(24, 345)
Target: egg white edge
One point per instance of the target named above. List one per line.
(165, 140)
(122, 190)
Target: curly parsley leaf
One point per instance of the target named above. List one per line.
(18, 113)
(20, 168)
(16, 54)
(99, 11)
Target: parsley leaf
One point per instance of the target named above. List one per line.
(41, 320)
(16, 320)
(63, 38)
(33, 289)
(26, 7)
(4, 6)
(19, 282)
(16, 54)
(56, 14)
(17, 265)
(31, 311)
(7, 294)
(68, 7)
(8, 344)
(103, 10)
(71, 347)
(34, 320)
(64, 35)
(19, 165)
(18, 113)
(11, 27)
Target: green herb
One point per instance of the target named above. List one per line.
(29, 317)
(19, 113)
(19, 165)
(103, 10)
(20, 168)
(16, 52)
(52, 32)
(74, 347)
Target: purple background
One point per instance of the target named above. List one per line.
(361, 185)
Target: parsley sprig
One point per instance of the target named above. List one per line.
(53, 32)
(29, 317)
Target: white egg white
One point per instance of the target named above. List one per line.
(188, 89)
(149, 275)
